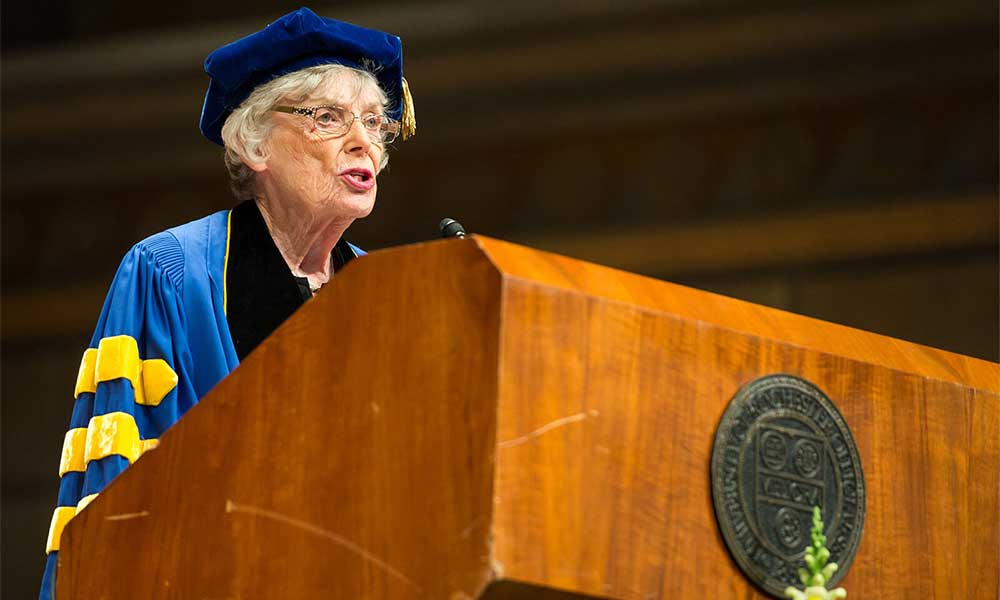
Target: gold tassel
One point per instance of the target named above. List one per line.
(409, 118)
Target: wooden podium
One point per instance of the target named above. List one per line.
(470, 418)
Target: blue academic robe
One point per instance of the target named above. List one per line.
(161, 343)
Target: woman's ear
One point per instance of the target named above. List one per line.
(256, 167)
(255, 160)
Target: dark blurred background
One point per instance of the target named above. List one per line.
(836, 159)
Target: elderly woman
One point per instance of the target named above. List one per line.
(305, 109)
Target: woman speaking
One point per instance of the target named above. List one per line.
(305, 110)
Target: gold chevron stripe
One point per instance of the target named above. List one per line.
(157, 381)
(74, 451)
(82, 504)
(113, 433)
(117, 357)
(60, 517)
(76, 455)
(85, 378)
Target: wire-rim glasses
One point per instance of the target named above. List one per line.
(336, 121)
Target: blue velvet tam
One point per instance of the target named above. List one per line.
(296, 41)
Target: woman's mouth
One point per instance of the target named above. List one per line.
(359, 179)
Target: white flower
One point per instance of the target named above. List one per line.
(818, 592)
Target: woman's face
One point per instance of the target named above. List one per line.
(331, 176)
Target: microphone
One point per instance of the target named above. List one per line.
(451, 228)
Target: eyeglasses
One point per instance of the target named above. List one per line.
(336, 121)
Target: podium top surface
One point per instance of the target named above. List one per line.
(553, 270)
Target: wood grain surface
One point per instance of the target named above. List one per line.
(470, 418)
(611, 390)
(553, 270)
(348, 457)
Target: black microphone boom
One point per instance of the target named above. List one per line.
(451, 228)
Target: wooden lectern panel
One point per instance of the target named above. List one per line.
(348, 457)
(470, 418)
(608, 411)
(563, 273)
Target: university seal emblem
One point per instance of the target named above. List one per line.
(782, 448)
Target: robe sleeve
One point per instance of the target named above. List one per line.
(134, 382)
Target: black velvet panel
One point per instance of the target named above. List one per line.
(261, 290)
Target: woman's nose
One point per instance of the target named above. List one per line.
(357, 138)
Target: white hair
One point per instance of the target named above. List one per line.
(247, 128)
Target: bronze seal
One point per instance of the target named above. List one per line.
(782, 448)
